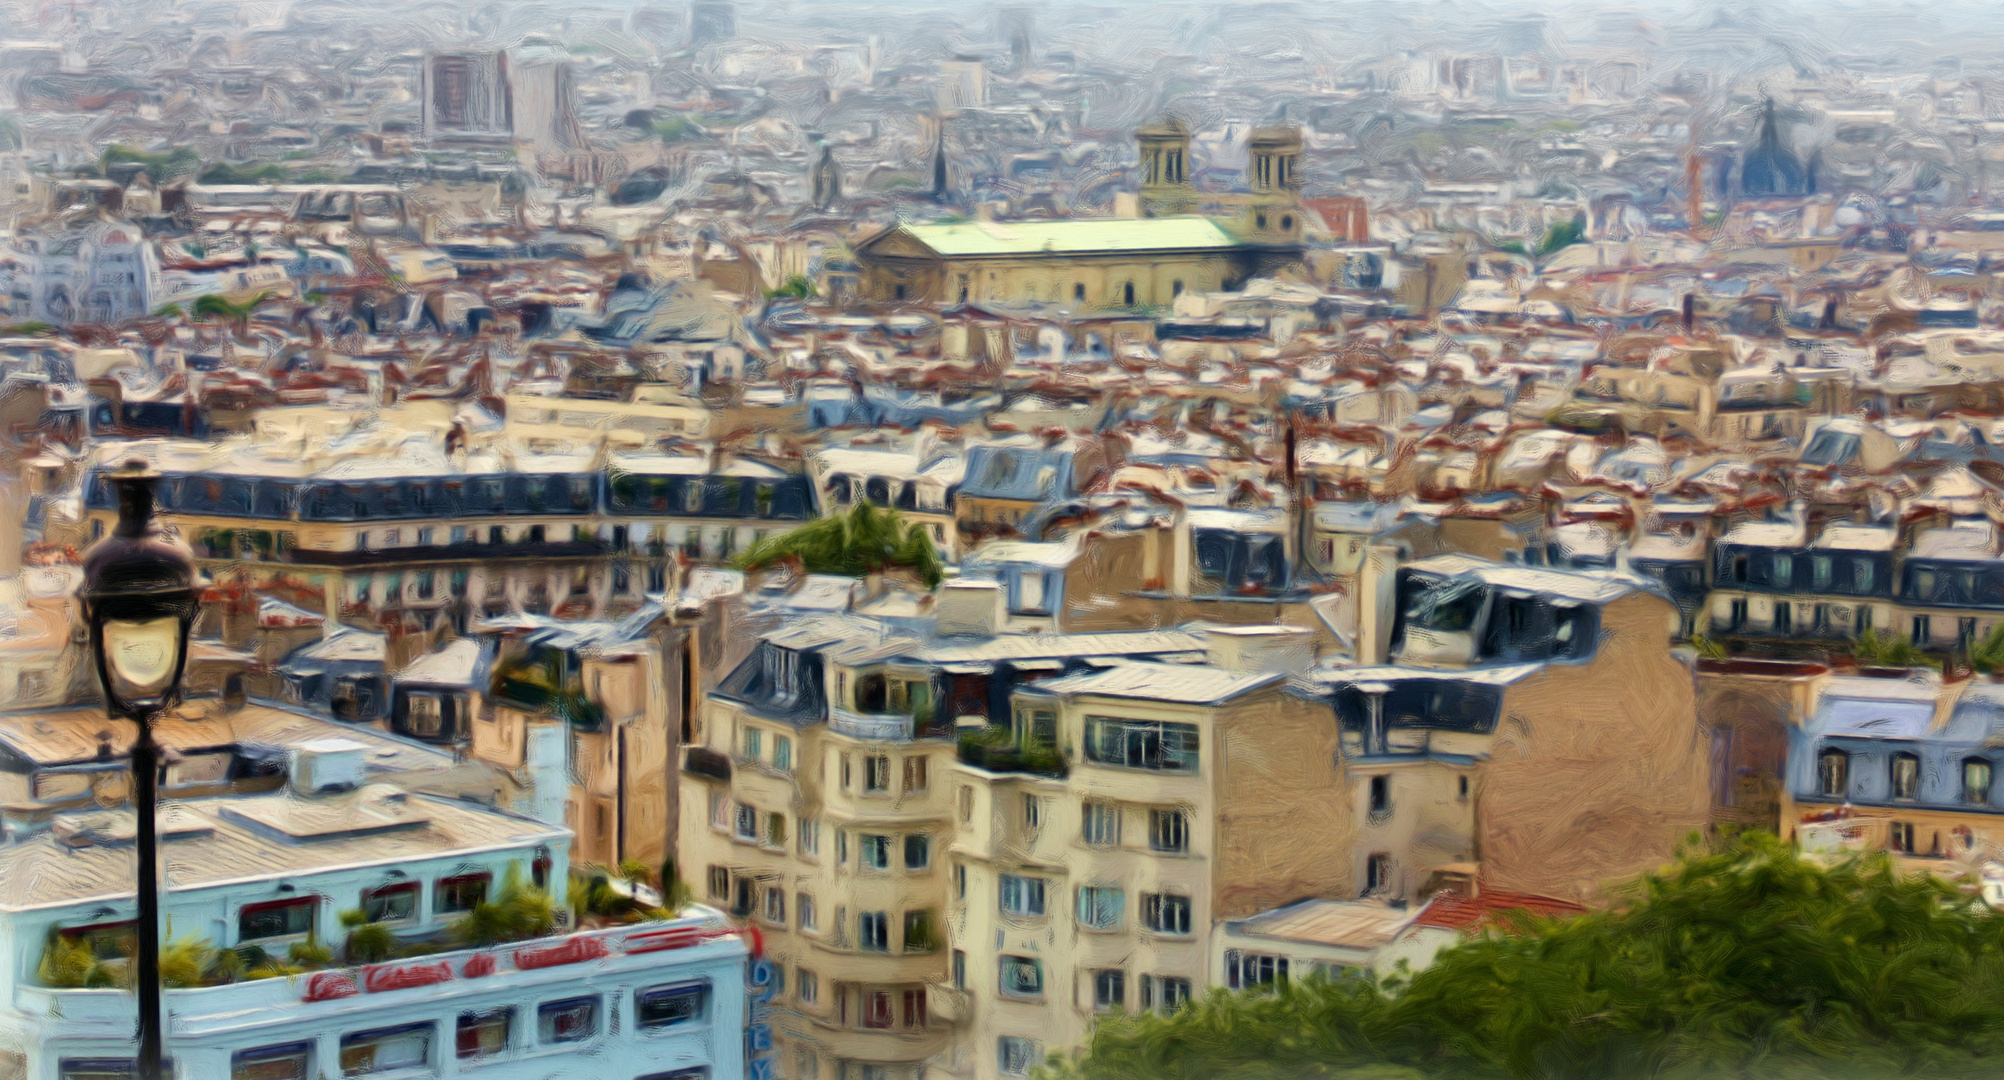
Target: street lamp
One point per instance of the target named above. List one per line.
(140, 599)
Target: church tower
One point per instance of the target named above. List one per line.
(826, 179)
(1165, 168)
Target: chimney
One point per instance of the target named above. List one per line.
(969, 608)
(1260, 649)
(334, 764)
(1180, 553)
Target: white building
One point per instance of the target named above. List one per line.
(648, 1001)
(84, 267)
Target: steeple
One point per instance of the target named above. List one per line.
(940, 185)
(827, 179)
(1770, 168)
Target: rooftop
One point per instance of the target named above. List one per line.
(1348, 924)
(1087, 236)
(221, 841)
(1182, 684)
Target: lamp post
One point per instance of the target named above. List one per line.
(140, 599)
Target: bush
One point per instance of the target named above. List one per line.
(517, 913)
(66, 964)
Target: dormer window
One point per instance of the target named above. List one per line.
(1906, 777)
(1833, 773)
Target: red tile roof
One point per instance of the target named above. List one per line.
(1483, 910)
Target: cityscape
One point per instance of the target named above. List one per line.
(737, 540)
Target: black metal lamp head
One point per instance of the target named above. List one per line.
(140, 598)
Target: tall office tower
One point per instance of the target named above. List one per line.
(466, 94)
(539, 84)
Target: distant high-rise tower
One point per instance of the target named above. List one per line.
(1017, 26)
(466, 94)
(712, 20)
(541, 97)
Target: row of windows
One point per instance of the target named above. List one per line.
(1100, 907)
(1833, 776)
(519, 493)
(395, 902)
(476, 1035)
(872, 929)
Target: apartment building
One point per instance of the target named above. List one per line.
(408, 529)
(1530, 730)
(1178, 795)
(255, 875)
(822, 800)
(1905, 765)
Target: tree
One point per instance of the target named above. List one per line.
(220, 308)
(866, 540)
(1747, 961)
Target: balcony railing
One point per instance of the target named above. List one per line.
(191, 1012)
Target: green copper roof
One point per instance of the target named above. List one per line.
(1090, 235)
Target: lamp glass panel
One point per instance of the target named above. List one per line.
(141, 655)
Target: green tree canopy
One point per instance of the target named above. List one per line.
(866, 540)
(1747, 962)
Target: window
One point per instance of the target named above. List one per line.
(754, 743)
(1377, 873)
(1100, 907)
(1022, 976)
(747, 822)
(782, 753)
(803, 905)
(277, 919)
(966, 799)
(921, 936)
(960, 881)
(1462, 785)
(382, 1050)
(1141, 744)
(876, 852)
(1168, 830)
(1833, 773)
(461, 892)
(874, 930)
(1100, 824)
(845, 772)
(841, 846)
(918, 852)
(775, 830)
(104, 1069)
(1901, 834)
(1906, 776)
(915, 773)
(1164, 993)
(959, 970)
(1381, 795)
(876, 773)
(1109, 991)
(810, 836)
(106, 941)
(720, 883)
(1033, 812)
(667, 1006)
(809, 986)
(292, 1061)
(1037, 727)
(1976, 781)
(775, 905)
(1166, 913)
(483, 1033)
(569, 1020)
(915, 1009)
(395, 902)
(877, 1009)
(1246, 970)
(1018, 1056)
(1022, 895)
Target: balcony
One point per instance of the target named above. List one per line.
(198, 1013)
(996, 751)
(885, 727)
